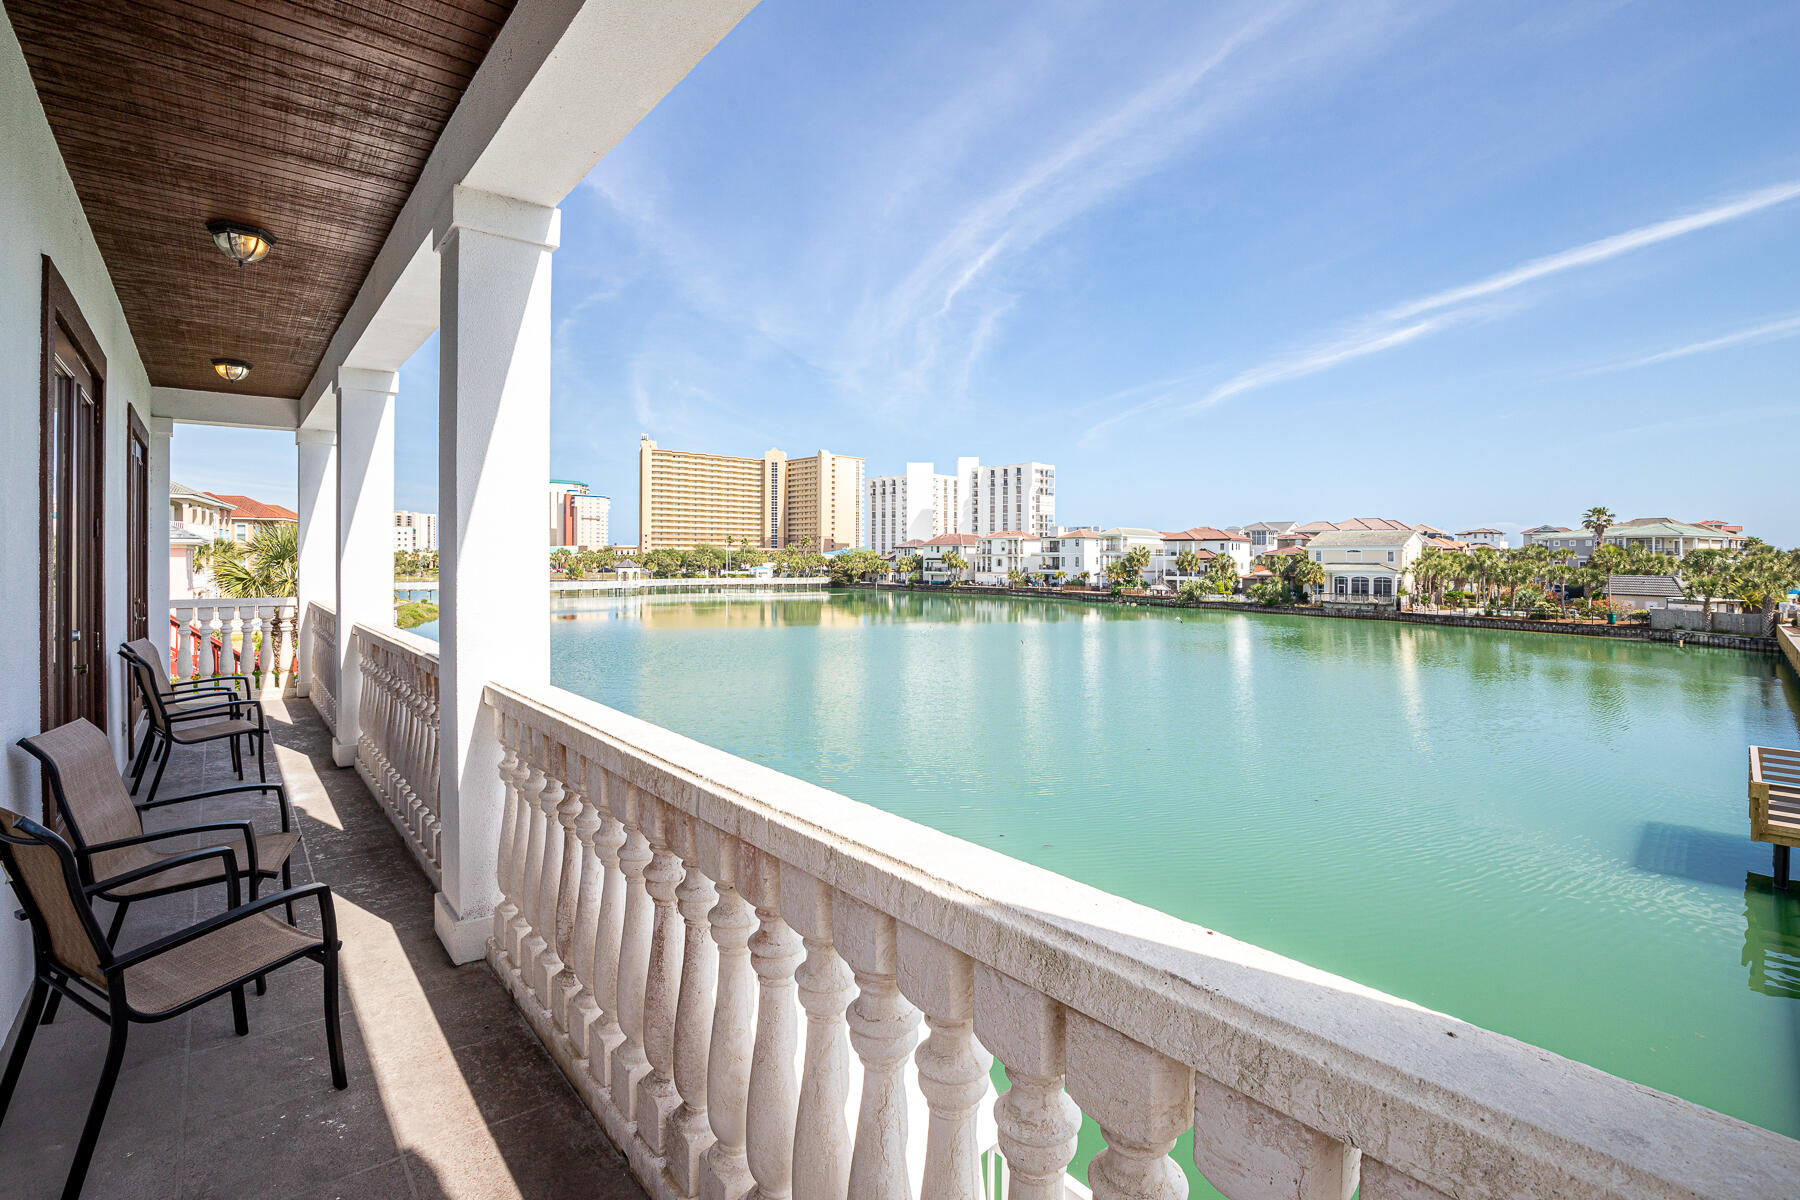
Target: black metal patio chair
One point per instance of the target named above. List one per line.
(154, 982)
(230, 720)
(180, 695)
(106, 830)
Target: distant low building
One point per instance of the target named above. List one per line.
(415, 532)
(1265, 536)
(933, 551)
(1657, 535)
(248, 516)
(1483, 537)
(1644, 591)
(998, 555)
(1206, 543)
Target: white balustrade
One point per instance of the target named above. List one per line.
(323, 693)
(255, 637)
(712, 902)
(397, 747)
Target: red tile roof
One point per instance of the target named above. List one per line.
(1204, 533)
(1011, 533)
(1076, 533)
(243, 508)
(953, 539)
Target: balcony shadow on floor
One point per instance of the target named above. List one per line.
(451, 1095)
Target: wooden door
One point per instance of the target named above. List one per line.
(72, 537)
(137, 553)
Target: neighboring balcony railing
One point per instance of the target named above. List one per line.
(397, 748)
(324, 665)
(254, 637)
(702, 943)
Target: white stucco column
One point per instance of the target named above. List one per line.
(493, 573)
(365, 525)
(156, 528)
(317, 454)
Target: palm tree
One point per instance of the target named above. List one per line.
(1302, 575)
(1598, 519)
(1223, 572)
(956, 564)
(1186, 563)
(268, 565)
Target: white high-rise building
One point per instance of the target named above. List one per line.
(915, 506)
(1018, 496)
(415, 531)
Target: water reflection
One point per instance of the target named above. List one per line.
(1771, 938)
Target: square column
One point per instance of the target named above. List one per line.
(317, 454)
(365, 525)
(156, 554)
(493, 575)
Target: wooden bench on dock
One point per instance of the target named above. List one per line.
(1775, 803)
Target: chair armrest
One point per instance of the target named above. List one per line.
(190, 693)
(215, 679)
(237, 912)
(242, 827)
(225, 707)
(280, 791)
(222, 853)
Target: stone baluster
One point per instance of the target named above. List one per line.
(1037, 1121)
(582, 1008)
(826, 986)
(953, 1067)
(508, 908)
(725, 1171)
(1142, 1102)
(1249, 1151)
(541, 960)
(605, 1036)
(774, 1091)
(687, 1130)
(883, 1029)
(690, 1129)
(1382, 1182)
(657, 1098)
(563, 984)
(525, 806)
(629, 1063)
(530, 796)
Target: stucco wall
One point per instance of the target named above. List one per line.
(39, 215)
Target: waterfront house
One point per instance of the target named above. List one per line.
(1660, 591)
(997, 555)
(249, 517)
(1657, 535)
(1265, 535)
(1365, 565)
(1072, 553)
(1483, 536)
(1205, 542)
(583, 955)
(933, 551)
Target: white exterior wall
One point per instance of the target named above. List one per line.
(918, 505)
(40, 214)
(593, 520)
(1018, 496)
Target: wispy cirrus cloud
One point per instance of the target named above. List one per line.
(1412, 320)
(1769, 331)
(896, 290)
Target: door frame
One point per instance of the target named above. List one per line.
(61, 315)
(137, 556)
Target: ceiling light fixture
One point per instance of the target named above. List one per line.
(239, 242)
(231, 369)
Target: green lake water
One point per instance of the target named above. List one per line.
(1543, 835)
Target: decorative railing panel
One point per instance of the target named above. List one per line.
(397, 748)
(324, 665)
(254, 637)
(758, 983)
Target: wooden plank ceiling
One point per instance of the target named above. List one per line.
(309, 119)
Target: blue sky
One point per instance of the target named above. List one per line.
(1220, 263)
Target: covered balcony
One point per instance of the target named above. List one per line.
(586, 956)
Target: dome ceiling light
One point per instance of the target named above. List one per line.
(231, 369)
(242, 244)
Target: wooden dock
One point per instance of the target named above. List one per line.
(1775, 803)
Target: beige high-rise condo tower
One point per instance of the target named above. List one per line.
(688, 498)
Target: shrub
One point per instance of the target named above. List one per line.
(1190, 594)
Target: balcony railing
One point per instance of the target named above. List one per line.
(254, 637)
(397, 748)
(324, 664)
(701, 943)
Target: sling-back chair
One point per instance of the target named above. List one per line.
(154, 982)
